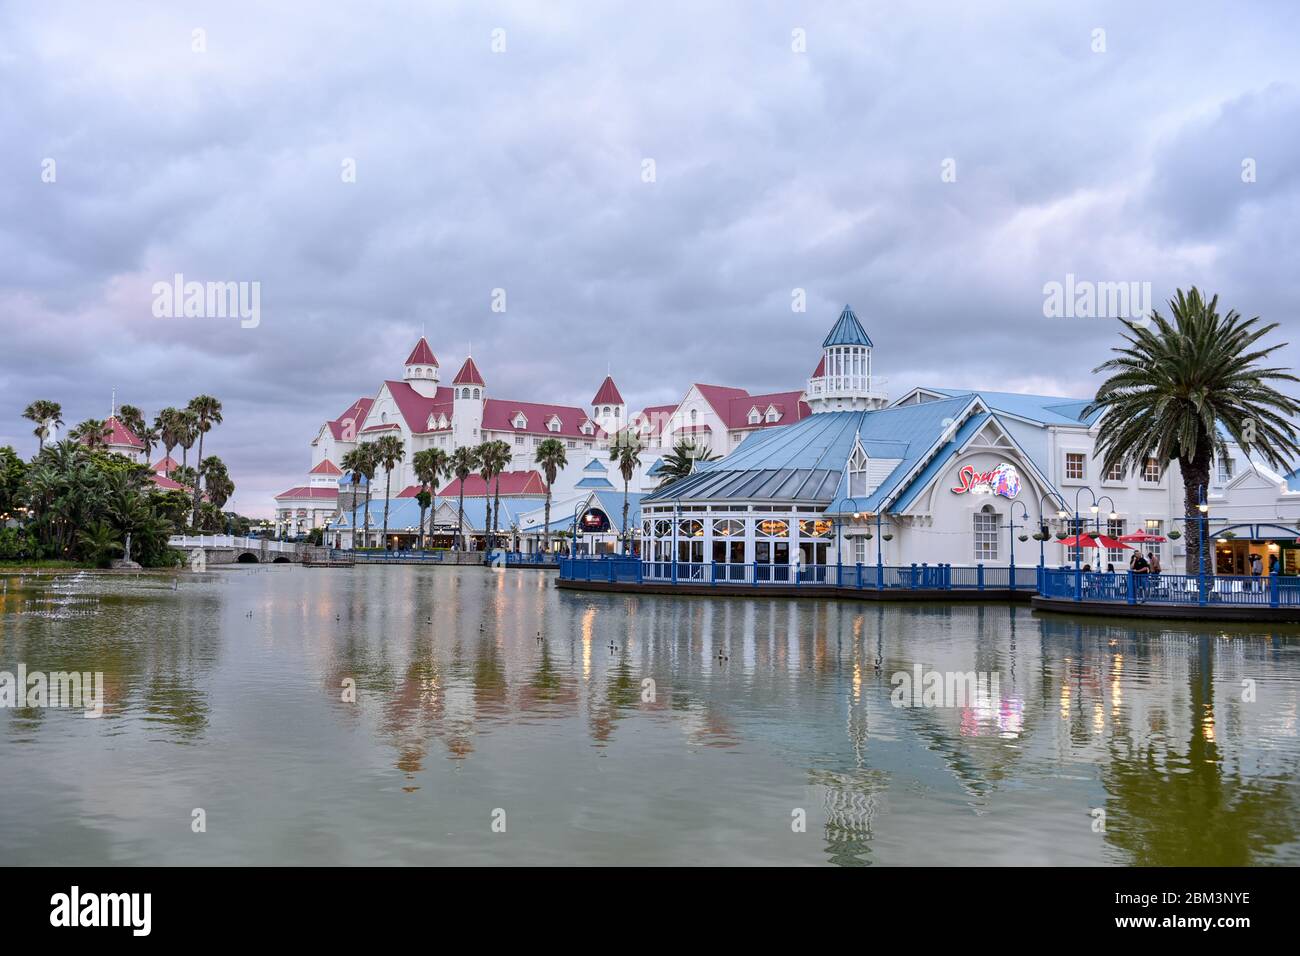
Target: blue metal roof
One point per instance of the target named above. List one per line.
(847, 331)
(595, 483)
(405, 512)
(1044, 409)
(595, 465)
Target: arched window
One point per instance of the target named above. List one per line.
(694, 415)
(858, 473)
(986, 534)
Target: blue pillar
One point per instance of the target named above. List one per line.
(979, 576)
(1131, 587)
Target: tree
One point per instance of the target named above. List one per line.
(551, 456)
(389, 451)
(169, 424)
(1178, 385)
(132, 418)
(97, 541)
(429, 465)
(93, 433)
(187, 432)
(493, 458)
(46, 415)
(13, 475)
(625, 449)
(217, 485)
(463, 463)
(681, 463)
(207, 413)
(355, 464)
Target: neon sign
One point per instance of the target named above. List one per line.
(1003, 480)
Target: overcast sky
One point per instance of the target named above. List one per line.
(934, 164)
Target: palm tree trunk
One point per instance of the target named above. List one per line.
(1196, 478)
(496, 507)
(198, 481)
(365, 537)
(388, 491)
(460, 520)
(626, 539)
(546, 528)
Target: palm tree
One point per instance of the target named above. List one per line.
(1177, 386)
(93, 433)
(625, 450)
(216, 481)
(463, 463)
(493, 458)
(681, 463)
(46, 415)
(389, 452)
(168, 424)
(207, 412)
(370, 459)
(132, 418)
(429, 465)
(550, 455)
(98, 540)
(355, 464)
(187, 432)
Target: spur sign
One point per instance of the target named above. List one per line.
(1003, 480)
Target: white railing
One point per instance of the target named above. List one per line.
(231, 541)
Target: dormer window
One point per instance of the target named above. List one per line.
(588, 428)
(858, 472)
(772, 414)
(520, 421)
(442, 420)
(754, 416)
(554, 424)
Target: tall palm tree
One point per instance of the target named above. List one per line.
(168, 424)
(370, 461)
(681, 463)
(429, 465)
(493, 459)
(132, 418)
(93, 433)
(216, 481)
(551, 456)
(207, 413)
(46, 415)
(625, 449)
(354, 462)
(389, 452)
(1178, 385)
(463, 463)
(187, 432)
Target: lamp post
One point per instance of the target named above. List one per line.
(574, 546)
(1078, 548)
(1042, 524)
(1012, 526)
(1203, 529)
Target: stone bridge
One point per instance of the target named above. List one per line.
(229, 549)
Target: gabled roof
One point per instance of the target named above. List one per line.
(595, 465)
(357, 412)
(165, 483)
(511, 483)
(1043, 409)
(595, 481)
(847, 330)
(468, 374)
(326, 467)
(416, 408)
(820, 370)
(165, 465)
(498, 415)
(421, 354)
(607, 394)
(303, 491)
(656, 415)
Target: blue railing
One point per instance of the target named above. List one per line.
(915, 577)
(1218, 590)
(518, 559)
(391, 557)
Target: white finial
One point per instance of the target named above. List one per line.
(112, 412)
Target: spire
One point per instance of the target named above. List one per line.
(468, 374)
(847, 331)
(608, 393)
(421, 354)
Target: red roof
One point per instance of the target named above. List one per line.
(421, 354)
(416, 408)
(165, 483)
(512, 483)
(119, 434)
(326, 467)
(607, 394)
(357, 412)
(302, 491)
(166, 465)
(468, 374)
(821, 368)
(499, 412)
(657, 415)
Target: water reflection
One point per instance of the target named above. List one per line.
(634, 729)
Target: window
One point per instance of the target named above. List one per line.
(554, 426)
(773, 414)
(1075, 528)
(1116, 556)
(1225, 470)
(520, 421)
(1151, 471)
(536, 442)
(858, 473)
(1074, 466)
(586, 444)
(1156, 527)
(694, 416)
(754, 417)
(859, 550)
(572, 443)
(986, 534)
(1115, 473)
(519, 439)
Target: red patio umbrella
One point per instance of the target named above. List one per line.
(1094, 541)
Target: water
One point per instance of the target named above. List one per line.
(226, 694)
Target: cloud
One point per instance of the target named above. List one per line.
(522, 170)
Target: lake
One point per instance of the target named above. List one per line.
(442, 715)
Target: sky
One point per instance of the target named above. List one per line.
(673, 192)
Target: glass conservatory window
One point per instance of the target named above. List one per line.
(728, 528)
(773, 528)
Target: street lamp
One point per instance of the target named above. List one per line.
(1012, 526)
(1078, 548)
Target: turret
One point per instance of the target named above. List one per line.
(469, 393)
(422, 369)
(843, 380)
(608, 408)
